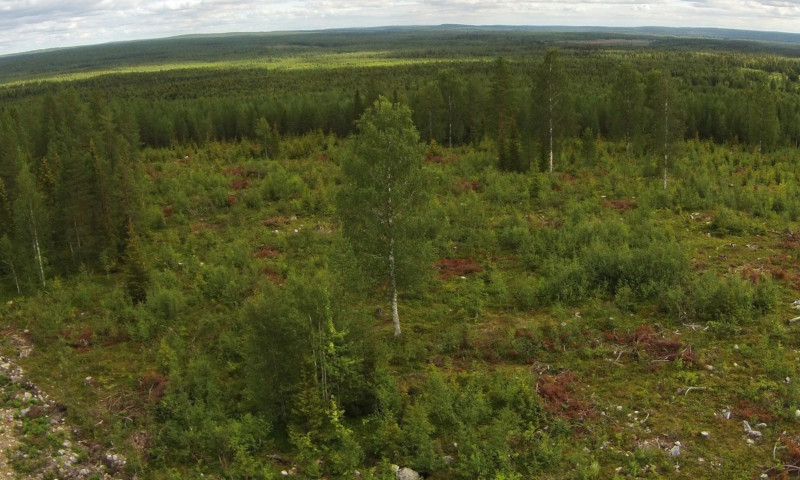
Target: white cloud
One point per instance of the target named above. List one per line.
(33, 24)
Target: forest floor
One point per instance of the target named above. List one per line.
(35, 440)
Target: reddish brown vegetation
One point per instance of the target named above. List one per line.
(266, 251)
(451, 267)
(645, 339)
(80, 340)
(747, 410)
(789, 458)
(274, 275)
(465, 185)
(240, 172)
(620, 204)
(559, 397)
(431, 158)
(791, 241)
(154, 384)
(168, 211)
(754, 275)
(199, 226)
(233, 171)
(239, 183)
(791, 278)
(276, 222)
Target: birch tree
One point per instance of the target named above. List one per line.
(665, 126)
(30, 218)
(551, 103)
(383, 198)
(451, 87)
(7, 259)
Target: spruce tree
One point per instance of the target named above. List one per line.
(137, 278)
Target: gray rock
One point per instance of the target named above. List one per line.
(675, 450)
(750, 432)
(405, 473)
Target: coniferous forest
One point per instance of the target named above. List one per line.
(472, 253)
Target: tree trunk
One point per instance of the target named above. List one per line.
(628, 140)
(392, 267)
(450, 121)
(36, 249)
(666, 138)
(16, 279)
(550, 109)
(551, 140)
(393, 278)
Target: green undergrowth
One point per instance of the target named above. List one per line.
(575, 324)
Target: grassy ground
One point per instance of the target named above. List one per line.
(623, 378)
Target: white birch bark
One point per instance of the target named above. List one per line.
(550, 109)
(450, 120)
(36, 249)
(666, 138)
(392, 268)
(393, 279)
(16, 279)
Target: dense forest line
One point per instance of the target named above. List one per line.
(576, 233)
(71, 154)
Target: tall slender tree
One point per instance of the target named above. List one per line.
(383, 197)
(763, 123)
(665, 124)
(451, 88)
(501, 92)
(551, 103)
(427, 105)
(30, 219)
(7, 259)
(627, 97)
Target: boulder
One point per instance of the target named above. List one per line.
(405, 473)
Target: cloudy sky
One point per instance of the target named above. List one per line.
(36, 24)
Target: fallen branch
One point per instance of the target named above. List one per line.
(795, 319)
(689, 389)
(695, 327)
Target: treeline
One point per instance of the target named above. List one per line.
(69, 173)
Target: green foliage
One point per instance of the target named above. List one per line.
(384, 199)
(296, 344)
(580, 259)
(253, 348)
(136, 271)
(724, 300)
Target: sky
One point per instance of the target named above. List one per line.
(27, 25)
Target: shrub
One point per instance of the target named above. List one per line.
(725, 300)
(727, 222)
